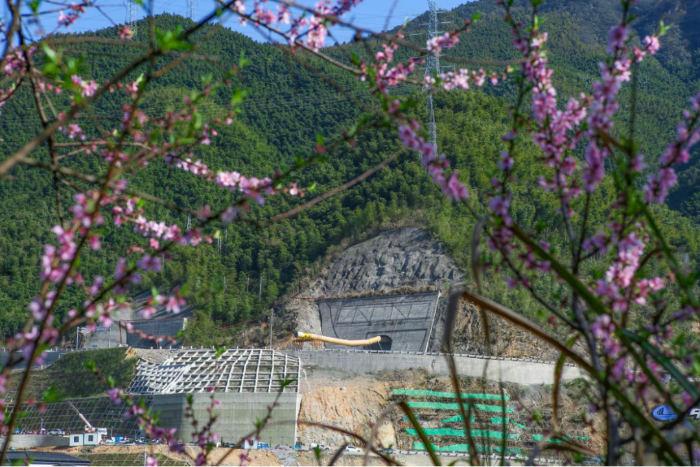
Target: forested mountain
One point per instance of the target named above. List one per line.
(289, 104)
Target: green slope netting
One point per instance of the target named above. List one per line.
(457, 418)
(496, 418)
(417, 446)
(455, 406)
(450, 395)
(453, 432)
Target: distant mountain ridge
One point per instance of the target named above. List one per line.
(289, 105)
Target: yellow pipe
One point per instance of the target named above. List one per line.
(307, 336)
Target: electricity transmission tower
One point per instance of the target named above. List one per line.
(192, 9)
(432, 66)
(131, 15)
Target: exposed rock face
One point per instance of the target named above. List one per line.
(407, 257)
(401, 257)
(505, 340)
(406, 260)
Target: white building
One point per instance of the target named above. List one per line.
(85, 439)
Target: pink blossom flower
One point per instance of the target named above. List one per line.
(454, 189)
(652, 44)
(149, 263)
(438, 43)
(115, 395)
(229, 214)
(125, 32)
(617, 37)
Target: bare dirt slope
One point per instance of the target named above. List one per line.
(351, 404)
(356, 403)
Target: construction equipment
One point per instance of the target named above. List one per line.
(88, 426)
(307, 336)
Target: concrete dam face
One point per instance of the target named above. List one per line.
(403, 321)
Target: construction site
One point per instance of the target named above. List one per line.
(366, 335)
(245, 384)
(363, 337)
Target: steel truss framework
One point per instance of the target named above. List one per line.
(236, 370)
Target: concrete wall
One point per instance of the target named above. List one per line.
(413, 460)
(497, 368)
(36, 441)
(238, 413)
(406, 319)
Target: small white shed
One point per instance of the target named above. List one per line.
(85, 439)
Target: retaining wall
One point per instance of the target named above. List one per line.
(414, 458)
(237, 412)
(36, 441)
(422, 459)
(521, 371)
(405, 319)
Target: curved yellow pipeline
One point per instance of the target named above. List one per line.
(307, 336)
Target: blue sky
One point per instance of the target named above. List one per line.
(372, 14)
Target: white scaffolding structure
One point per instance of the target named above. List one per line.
(236, 370)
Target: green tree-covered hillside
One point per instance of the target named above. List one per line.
(288, 104)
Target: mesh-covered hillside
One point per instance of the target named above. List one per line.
(72, 378)
(101, 412)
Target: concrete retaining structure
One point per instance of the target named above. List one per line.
(237, 413)
(416, 458)
(36, 441)
(405, 320)
(509, 370)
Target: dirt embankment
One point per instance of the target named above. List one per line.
(504, 339)
(353, 405)
(356, 404)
